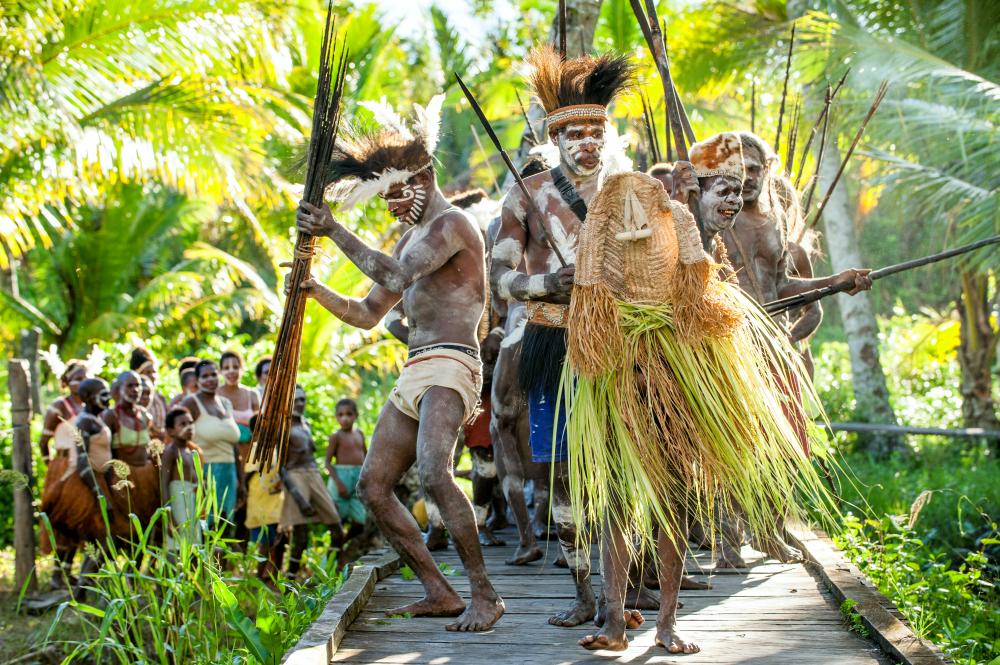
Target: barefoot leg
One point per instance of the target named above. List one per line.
(671, 555)
(441, 414)
(577, 555)
(730, 540)
(484, 477)
(392, 452)
(615, 561)
(509, 410)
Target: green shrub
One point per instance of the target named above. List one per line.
(954, 607)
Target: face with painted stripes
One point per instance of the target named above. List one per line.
(407, 201)
(580, 146)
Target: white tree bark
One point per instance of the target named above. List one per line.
(860, 326)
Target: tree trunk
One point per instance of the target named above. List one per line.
(977, 352)
(30, 339)
(581, 23)
(870, 391)
(18, 382)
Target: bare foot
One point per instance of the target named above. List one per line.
(691, 584)
(642, 599)
(525, 555)
(603, 641)
(448, 606)
(480, 615)
(579, 613)
(560, 562)
(776, 548)
(633, 618)
(730, 559)
(489, 539)
(674, 643)
(436, 539)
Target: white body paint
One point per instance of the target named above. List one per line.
(484, 468)
(515, 335)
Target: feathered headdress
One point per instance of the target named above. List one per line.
(577, 88)
(94, 363)
(366, 163)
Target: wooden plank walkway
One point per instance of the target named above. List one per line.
(776, 613)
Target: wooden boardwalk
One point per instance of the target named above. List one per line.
(776, 613)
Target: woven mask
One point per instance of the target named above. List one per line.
(629, 251)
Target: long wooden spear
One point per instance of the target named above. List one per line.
(784, 89)
(647, 116)
(879, 96)
(753, 105)
(827, 101)
(270, 436)
(532, 206)
(562, 28)
(783, 304)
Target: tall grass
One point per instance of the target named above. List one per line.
(197, 603)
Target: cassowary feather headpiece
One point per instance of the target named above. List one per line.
(368, 162)
(577, 88)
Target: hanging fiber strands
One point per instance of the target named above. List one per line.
(681, 395)
(270, 436)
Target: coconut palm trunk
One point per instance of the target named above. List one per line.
(977, 352)
(857, 316)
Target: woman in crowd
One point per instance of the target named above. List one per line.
(217, 434)
(61, 460)
(144, 363)
(130, 426)
(246, 402)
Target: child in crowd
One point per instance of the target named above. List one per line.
(264, 503)
(179, 478)
(348, 447)
(306, 498)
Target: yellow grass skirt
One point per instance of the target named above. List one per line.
(685, 426)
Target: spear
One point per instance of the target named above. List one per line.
(753, 105)
(270, 435)
(879, 96)
(793, 136)
(532, 206)
(647, 116)
(527, 121)
(784, 88)
(562, 28)
(784, 304)
(827, 100)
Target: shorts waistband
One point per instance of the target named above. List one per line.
(470, 351)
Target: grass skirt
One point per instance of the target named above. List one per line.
(681, 425)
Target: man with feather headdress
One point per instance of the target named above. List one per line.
(575, 94)
(438, 270)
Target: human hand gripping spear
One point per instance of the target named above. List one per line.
(532, 206)
(784, 304)
(270, 436)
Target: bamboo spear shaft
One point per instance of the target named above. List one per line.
(784, 89)
(783, 304)
(532, 206)
(879, 96)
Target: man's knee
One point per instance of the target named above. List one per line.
(373, 493)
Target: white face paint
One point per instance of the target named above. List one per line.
(410, 203)
(580, 147)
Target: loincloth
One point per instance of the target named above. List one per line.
(310, 486)
(477, 432)
(439, 365)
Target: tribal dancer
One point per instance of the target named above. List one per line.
(674, 381)
(575, 94)
(437, 268)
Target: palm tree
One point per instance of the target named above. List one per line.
(938, 154)
(101, 91)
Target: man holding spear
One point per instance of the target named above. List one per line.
(437, 269)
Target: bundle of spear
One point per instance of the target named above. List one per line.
(270, 436)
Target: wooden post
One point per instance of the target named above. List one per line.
(18, 382)
(30, 341)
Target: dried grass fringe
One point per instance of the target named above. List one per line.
(594, 339)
